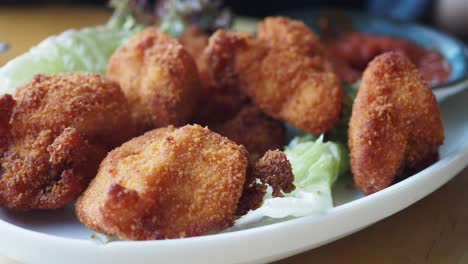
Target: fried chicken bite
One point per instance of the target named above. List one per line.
(273, 169)
(194, 40)
(218, 102)
(167, 183)
(295, 36)
(254, 130)
(54, 134)
(292, 34)
(395, 124)
(286, 81)
(159, 79)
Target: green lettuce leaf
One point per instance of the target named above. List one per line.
(316, 166)
(85, 50)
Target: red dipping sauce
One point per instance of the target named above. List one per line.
(352, 51)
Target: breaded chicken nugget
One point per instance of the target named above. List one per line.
(254, 130)
(282, 82)
(218, 102)
(273, 169)
(195, 41)
(159, 78)
(395, 123)
(168, 183)
(295, 36)
(54, 135)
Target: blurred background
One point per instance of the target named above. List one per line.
(26, 22)
(448, 15)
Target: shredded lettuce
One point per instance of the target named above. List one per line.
(85, 50)
(316, 166)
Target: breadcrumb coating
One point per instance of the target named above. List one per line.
(295, 36)
(218, 102)
(285, 80)
(54, 133)
(167, 183)
(254, 130)
(194, 40)
(159, 79)
(274, 170)
(395, 124)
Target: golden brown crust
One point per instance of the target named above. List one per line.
(58, 130)
(222, 97)
(285, 81)
(168, 183)
(220, 56)
(274, 170)
(6, 107)
(295, 36)
(253, 194)
(159, 78)
(220, 104)
(254, 130)
(195, 41)
(219, 101)
(395, 124)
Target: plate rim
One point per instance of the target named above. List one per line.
(454, 161)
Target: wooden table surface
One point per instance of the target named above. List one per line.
(434, 230)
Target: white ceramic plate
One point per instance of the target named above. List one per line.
(57, 237)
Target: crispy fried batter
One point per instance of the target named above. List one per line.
(254, 130)
(272, 169)
(222, 97)
(220, 56)
(395, 124)
(275, 170)
(294, 36)
(54, 134)
(6, 106)
(253, 194)
(194, 41)
(168, 183)
(220, 104)
(285, 80)
(159, 78)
